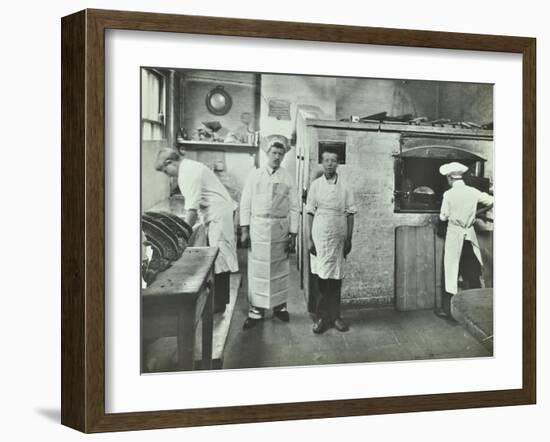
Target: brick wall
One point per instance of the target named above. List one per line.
(369, 172)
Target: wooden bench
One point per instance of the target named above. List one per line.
(175, 302)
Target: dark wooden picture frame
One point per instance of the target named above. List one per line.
(83, 220)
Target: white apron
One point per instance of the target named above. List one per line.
(268, 265)
(221, 234)
(329, 231)
(454, 240)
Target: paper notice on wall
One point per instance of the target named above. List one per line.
(279, 109)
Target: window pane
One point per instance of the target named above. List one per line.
(150, 98)
(152, 103)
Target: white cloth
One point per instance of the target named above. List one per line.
(204, 192)
(330, 202)
(459, 208)
(269, 205)
(221, 234)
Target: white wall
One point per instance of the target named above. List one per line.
(30, 380)
(298, 90)
(155, 186)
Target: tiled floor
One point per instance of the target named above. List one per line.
(474, 309)
(375, 335)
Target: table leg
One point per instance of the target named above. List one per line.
(186, 342)
(207, 328)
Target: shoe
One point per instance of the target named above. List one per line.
(282, 315)
(320, 326)
(340, 325)
(250, 322)
(447, 316)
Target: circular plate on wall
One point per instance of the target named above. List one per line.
(218, 101)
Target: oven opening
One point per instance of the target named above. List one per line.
(419, 186)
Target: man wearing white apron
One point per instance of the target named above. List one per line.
(331, 210)
(462, 254)
(205, 194)
(269, 223)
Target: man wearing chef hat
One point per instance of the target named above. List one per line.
(204, 194)
(462, 254)
(269, 223)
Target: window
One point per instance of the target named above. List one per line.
(333, 146)
(419, 186)
(153, 99)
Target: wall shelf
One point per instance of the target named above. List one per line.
(210, 145)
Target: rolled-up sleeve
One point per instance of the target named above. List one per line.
(311, 204)
(485, 199)
(190, 184)
(350, 208)
(246, 201)
(444, 213)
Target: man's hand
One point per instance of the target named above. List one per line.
(245, 237)
(291, 248)
(191, 217)
(347, 247)
(312, 249)
(484, 209)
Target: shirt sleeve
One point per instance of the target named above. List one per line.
(294, 206)
(246, 201)
(190, 184)
(351, 208)
(485, 199)
(311, 204)
(445, 209)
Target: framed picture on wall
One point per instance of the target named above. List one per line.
(313, 202)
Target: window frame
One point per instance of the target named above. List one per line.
(159, 123)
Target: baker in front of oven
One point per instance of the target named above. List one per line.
(462, 255)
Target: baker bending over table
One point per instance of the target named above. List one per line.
(204, 193)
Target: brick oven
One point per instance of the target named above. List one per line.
(393, 171)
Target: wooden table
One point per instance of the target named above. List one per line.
(175, 302)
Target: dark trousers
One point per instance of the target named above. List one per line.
(470, 270)
(469, 267)
(221, 287)
(328, 299)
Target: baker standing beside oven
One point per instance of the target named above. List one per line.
(269, 223)
(462, 254)
(205, 194)
(331, 210)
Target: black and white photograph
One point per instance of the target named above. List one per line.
(294, 220)
(276, 221)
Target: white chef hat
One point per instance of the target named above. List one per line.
(279, 140)
(453, 170)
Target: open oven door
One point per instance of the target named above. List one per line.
(419, 186)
